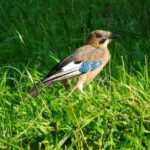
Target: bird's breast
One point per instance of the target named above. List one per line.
(106, 56)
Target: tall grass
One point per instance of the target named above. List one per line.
(114, 113)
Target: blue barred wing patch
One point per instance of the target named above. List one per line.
(89, 66)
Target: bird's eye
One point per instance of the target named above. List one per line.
(98, 35)
(102, 41)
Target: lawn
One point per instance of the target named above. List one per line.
(114, 113)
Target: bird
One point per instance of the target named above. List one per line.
(85, 62)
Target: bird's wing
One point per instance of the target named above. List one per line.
(74, 65)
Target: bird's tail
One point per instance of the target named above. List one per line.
(38, 88)
(51, 78)
(33, 92)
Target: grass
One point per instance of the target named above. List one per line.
(114, 114)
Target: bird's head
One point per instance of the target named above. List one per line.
(100, 38)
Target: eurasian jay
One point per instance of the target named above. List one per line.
(86, 62)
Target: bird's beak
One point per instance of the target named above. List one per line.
(114, 36)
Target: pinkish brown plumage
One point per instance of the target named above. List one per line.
(86, 62)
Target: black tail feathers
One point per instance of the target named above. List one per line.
(39, 88)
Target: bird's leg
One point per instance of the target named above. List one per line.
(65, 83)
(80, 87)
(80, 83)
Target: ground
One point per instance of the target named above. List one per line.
(114, 113)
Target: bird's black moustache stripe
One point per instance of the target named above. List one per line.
(102, 41)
